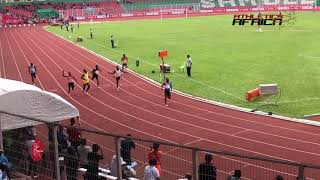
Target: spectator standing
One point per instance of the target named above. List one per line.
(279, 177)
(236, 175)
(63, 139)
(93, 163)
(151, 172)
(5, 163)
(207, 171)
(126, 146)
(3, 158)
(72, 164)
(33, 170)
(74, 134)
(83, 151)
(188, 65)
(156, 154)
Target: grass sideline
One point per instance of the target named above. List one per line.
(228, 60)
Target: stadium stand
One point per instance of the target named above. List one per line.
(147, 6)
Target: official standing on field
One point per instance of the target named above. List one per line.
(112, 42)
(188, 65)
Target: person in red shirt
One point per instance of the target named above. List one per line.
(156, 154)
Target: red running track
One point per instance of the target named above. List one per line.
(138, 109)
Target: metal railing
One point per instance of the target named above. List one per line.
(63, 156)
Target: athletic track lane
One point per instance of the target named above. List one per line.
(138, 108)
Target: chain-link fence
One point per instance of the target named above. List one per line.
(65, 151)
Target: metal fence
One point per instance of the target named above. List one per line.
(101, 155)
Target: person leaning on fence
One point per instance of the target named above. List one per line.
(207, 171)
(126, 146)
(236, 175)
(151, 172)
(156, 154)
(93, 163)
(83, 151)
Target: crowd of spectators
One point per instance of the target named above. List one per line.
(72, 146)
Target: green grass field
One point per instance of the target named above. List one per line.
(227, 60)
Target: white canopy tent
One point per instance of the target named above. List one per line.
(21, 99)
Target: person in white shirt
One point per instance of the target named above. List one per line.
(188, 65)
(117, 73)
(83, 151)
(33, 72)
(167, 90)
(259, 29)
(151, 172)
(113, 168)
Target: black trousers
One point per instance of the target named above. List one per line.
(189, 71)
(112, 44)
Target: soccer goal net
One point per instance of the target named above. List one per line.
(175, 9)
(182, 12)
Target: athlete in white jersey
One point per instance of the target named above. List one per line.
(167, 90)
(117, 73)
(33, 72)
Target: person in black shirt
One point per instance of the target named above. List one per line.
(207, 171)
(112, 42)
(126, 146)
(93, 163)
(91, 34)
(72, 164)
(71, 28)
(95, 74)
